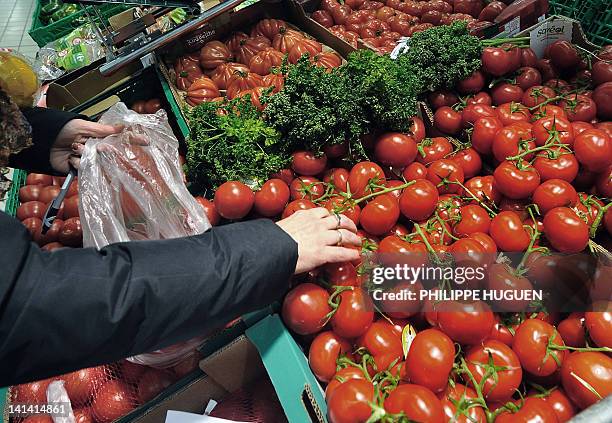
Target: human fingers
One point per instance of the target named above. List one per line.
(98, 130)
(341, 237)
(340, 254)
(339, 221)
(77, 148)
(75, 161)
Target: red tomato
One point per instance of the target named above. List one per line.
(354, 315)
(472, 84)
(443, 98)
(447, 120)
(604, 183)
(506, 93)
(29, 193)
(460, 397)
(530, 344)
(473, 112)
(417, 129)
(469, 160)
(585, 372)
(473, 219)
(33, 225)
(561, 404)
(483, 187)
(484, 131)
(379, 215)
(415, 171)
(272, 198)
(350, 402)
(511, 140)
(152, 383)
(551, 128)
(593, 149)
(71, 207)
(210, 210)
(465, 323)
(528, 77)
(307, 187)
(305, 308)
(48, 194)
(599, 325)
(556, 164)
(416, 402)
(31, 393)
(131, 372)
(508, 232)
(381, 338)
(114, 399)
(554, 193)
(419, 200)
(234, 200)
(39, 179)
(71, 232)
(565, 231)
(516, 183)
(486, 241)
(82, 384)
(323, 353)
(285, 175)
(335, 151)
(296, 205)
(395, 149)
(537, 95)
(307, 164)
(430, 359)
(432, 149)
(342, 376)
(509, 373)
(83, 415)
(31, 209)
(480, 98)
(442, 173)
(362, 175)
(338, 177)
(531, 410)
(571, 330)
(579, 107)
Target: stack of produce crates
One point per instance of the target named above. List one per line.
(594, 15)
(43, 34)
(12, 196)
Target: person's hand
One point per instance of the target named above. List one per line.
(318, 235)
(70, 142)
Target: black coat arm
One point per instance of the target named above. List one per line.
(74, 308)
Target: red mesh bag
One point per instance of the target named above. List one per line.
(257, 403)
(103, 394)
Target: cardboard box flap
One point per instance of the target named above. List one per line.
(234, 366)
(191, 398)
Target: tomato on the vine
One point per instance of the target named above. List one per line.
(272, 198)
(419, 200)
(362, 175)
(565, 231)
(432, 149)
(324, 351)
(305, 308)
(587, 377)
(379, 215)
(465, 323)
(516, 182)
(354, 315)
(350, 402)
(416, 402)
(554, 193)
(446, 175)
(508, 232)
(430, 359)
(532, 341)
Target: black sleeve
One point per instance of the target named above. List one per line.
(46, 125)
(74, 308)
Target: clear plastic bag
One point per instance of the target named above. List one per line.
(131, 188)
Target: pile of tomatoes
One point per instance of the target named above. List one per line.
(381, 23)
(105, 393)
(243, 64)
(519, 162)
(35, 197)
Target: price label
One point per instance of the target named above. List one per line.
(147, 60)
(548, 32)
(513, 27)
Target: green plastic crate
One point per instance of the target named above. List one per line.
(12, 196)
(44, 34)
(595, 17)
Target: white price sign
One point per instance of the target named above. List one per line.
(549, 32)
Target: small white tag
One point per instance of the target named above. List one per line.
(210, 406)
(548, 32)
(148, 60)
(513, 27)
(182, 417)
(401, 47)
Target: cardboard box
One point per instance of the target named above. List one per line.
(267, 350)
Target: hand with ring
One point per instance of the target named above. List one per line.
(321, 237)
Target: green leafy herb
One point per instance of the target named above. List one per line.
(442, 56)
(231, 142)
(317, 107)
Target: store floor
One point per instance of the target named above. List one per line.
(15, 21)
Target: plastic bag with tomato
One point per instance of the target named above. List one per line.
(131, 188)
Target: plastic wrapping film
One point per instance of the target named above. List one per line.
(131, 188)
